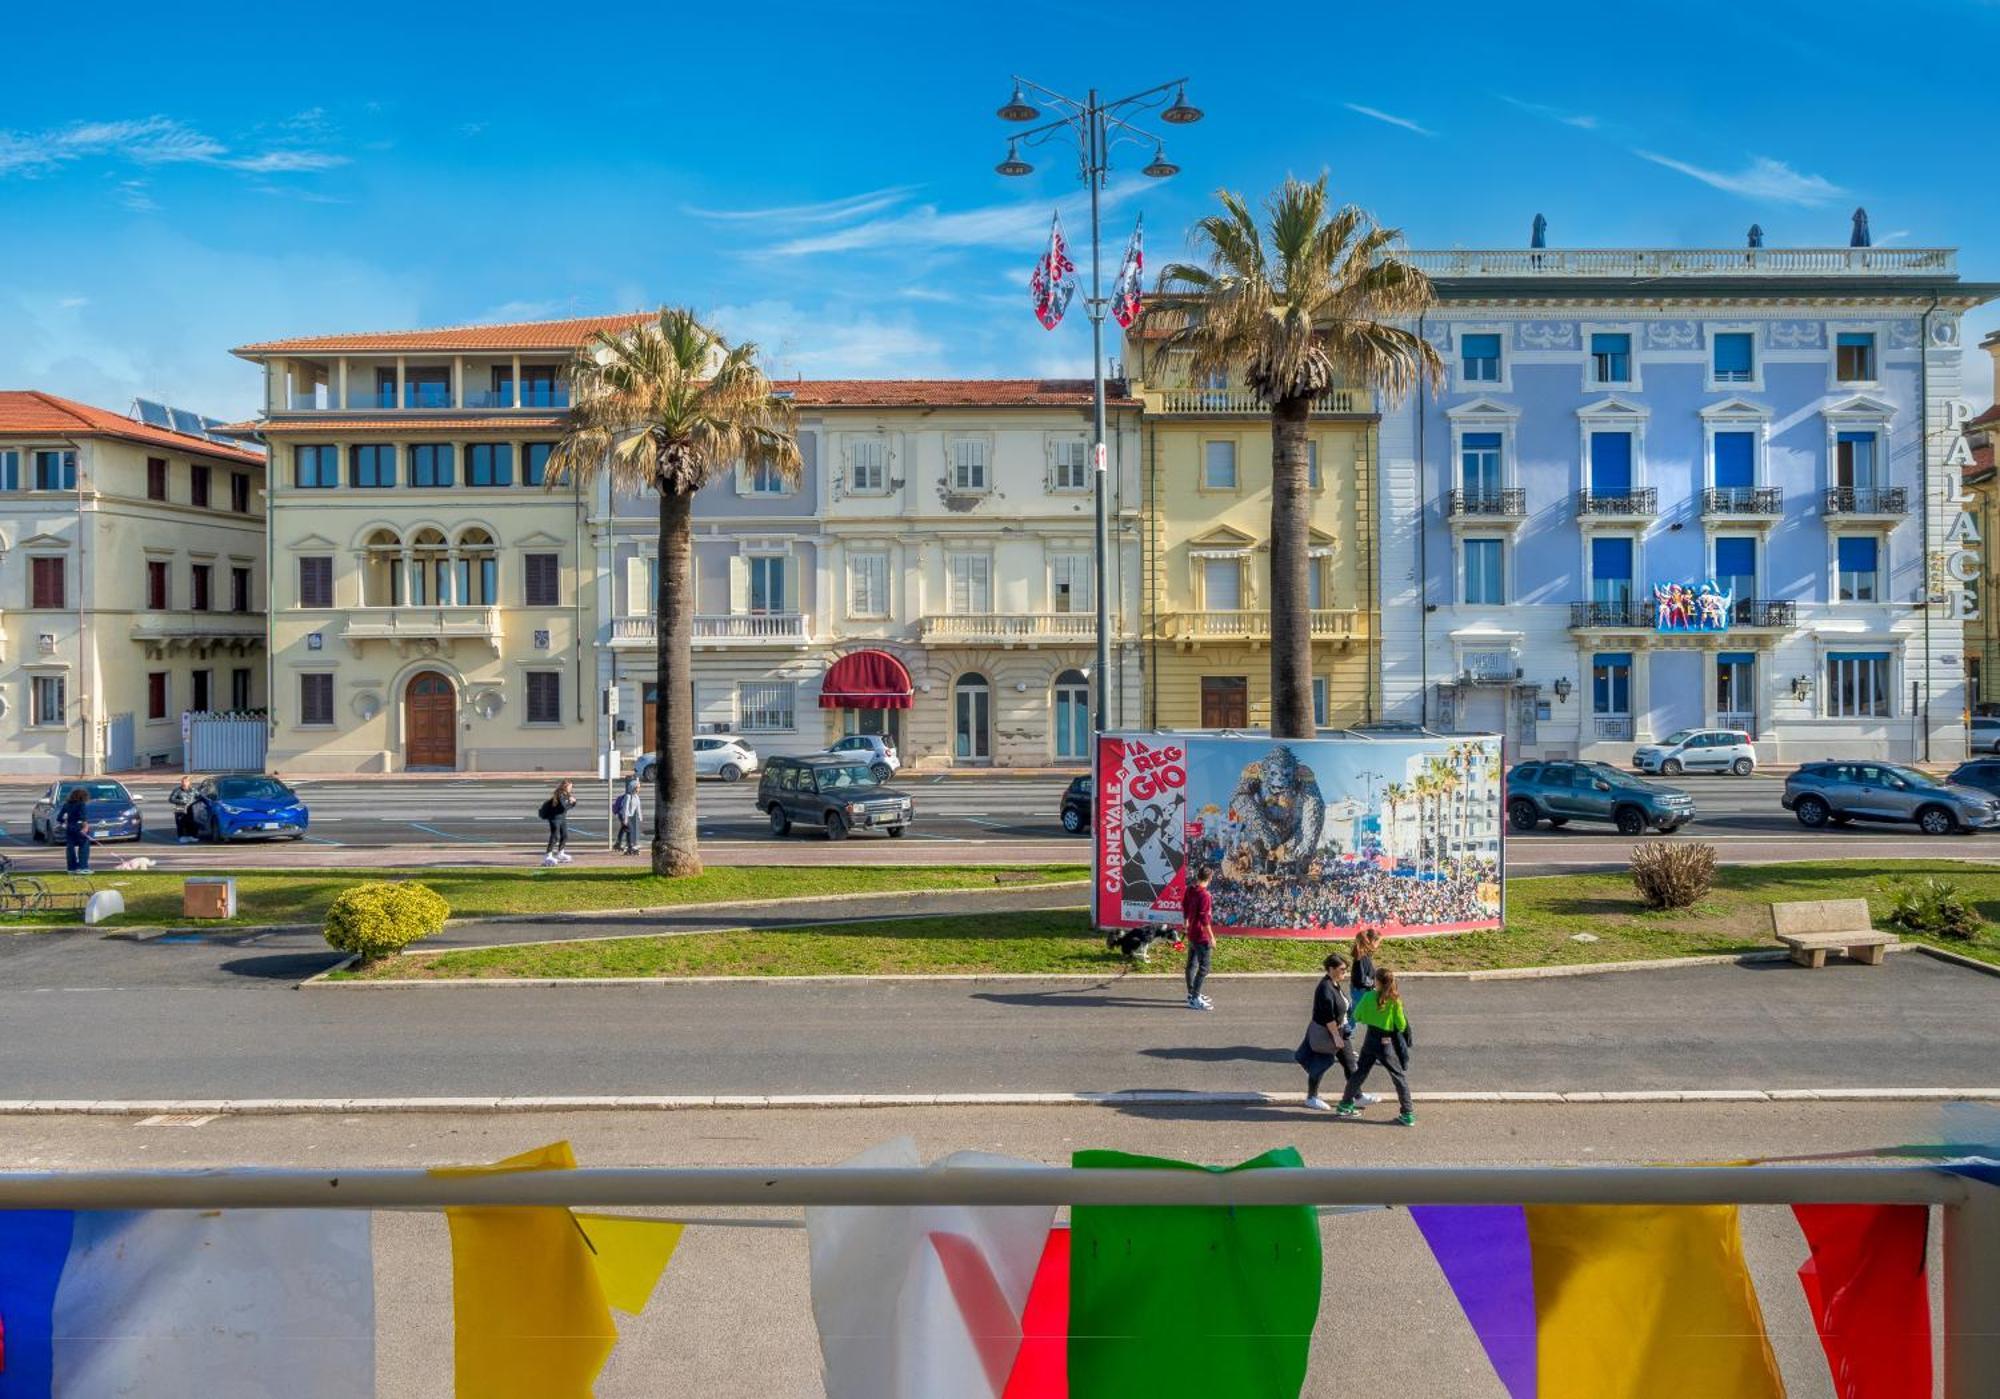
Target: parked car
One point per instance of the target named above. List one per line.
(1076, 814)
(1563, 792)
(1819, 793)
(881, 753)
(246, 805)
(715, 755)
(1984, 736)
(1983, 773)
(113, 812)
(1698, 750)
(838, 792)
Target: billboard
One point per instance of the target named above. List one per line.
(1302, 837)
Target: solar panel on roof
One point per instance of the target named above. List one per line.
(184, 421)
(151, 413)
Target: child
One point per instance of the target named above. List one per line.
(630, 811)
(555, 811)
(1362, 979)
(1388, 1042)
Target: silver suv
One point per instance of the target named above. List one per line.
(1698, 750)
(1842, 792)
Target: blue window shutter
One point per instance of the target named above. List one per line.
(1735, 558)
(1856, 338)
(1611, 557)
(1735, 658)
(1482, 441)
(1611, 462)
(1857, 554)
(1735, 459)
(1733, 353)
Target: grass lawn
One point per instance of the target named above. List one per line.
(301, 896)
(1542, 915)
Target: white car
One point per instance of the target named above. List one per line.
(715, 755)
(1985, 734)
(1698, 750)
(881, 754)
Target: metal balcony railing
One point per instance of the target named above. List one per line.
(1867, 500)
(1763, 612)
(1508, 504)
(1604, 615)
(1742, 500)
(1644, 500)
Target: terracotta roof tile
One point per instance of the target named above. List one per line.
(1991, 415)
(326, 426)
(512, 335)
(31, 413)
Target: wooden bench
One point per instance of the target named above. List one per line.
(1813, 929)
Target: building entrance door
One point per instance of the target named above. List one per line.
(1225, 702)
(430, 722)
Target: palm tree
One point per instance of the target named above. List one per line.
(667, 406)
(1311, 301)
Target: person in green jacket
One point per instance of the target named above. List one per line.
(1387, 1042)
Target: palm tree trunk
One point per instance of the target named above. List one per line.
(1291, 611)
(676, 848)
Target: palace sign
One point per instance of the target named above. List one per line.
(1954, 569)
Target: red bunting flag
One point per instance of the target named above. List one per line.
(1054, 280)
(1869, 1298)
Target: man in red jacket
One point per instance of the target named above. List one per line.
(1195, 907)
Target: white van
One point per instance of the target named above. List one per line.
(1698, 750)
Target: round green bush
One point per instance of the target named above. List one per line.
(378, 920)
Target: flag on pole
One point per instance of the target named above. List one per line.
(1126, 291)
(1054, 282)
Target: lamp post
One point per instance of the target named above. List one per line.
(1096, 126)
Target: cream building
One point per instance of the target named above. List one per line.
(131, 585)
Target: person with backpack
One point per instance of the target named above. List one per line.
(555, 811)
(1196, 908)
(1388, 1042)
(75, 821)
(630, 812)
(1326, 1042)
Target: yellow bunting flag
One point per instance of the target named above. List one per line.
(630, 1256)
(1646, 1302)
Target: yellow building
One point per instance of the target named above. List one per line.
(131, 584)
(1206, 486)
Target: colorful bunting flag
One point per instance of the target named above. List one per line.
(1484, 1253)
(1041, 1370)
(1054, 279)
(1196, 1301)
(1869, 1297)
(1127, 291)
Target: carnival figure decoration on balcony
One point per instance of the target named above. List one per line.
(1683, 607)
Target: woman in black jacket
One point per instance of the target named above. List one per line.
(1326, 1042)
(555, 811)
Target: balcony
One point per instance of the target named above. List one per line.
(165, 634)
(718, 629)
(1487, 508)
(1868, 502)
(1254, 625)
(1682, 262)
(1632, 615)
(1745, 504)
(1008, 628)
(1763, 614)
(1640, 504)
(1239, 401)
(461, 623)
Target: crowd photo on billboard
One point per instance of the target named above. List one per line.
(1301, 837)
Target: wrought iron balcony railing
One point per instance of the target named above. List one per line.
(1605, 615)
(1644, 500)
(1867, 500)
(1509, 504)
(1742, 500)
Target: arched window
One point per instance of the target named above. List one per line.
(430, 569)
(477, 569)
(382, 570)
(1071, 704)
(972, 718)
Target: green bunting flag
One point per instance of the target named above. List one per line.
(1205, 1301)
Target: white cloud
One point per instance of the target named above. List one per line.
(1012, 226)
(155, 140)
(1762, 178)
(833, 341)
(1376, 114)
(851, 206)
(1582, 121)
(285, 162)
(132, 194)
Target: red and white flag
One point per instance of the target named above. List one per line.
(1054, 282)
(1125, 292)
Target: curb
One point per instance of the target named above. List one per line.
(281, 1107)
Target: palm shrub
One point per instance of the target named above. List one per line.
(1936, 908)
(380, 919)
(1672, 873)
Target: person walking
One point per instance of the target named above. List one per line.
(1387, 1042)
(76, 831)
(630, 811)
(1196, 906)
(1362, 979)
(1326, 1042)
(181, 799)
(555, 811)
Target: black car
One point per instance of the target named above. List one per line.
(1076, 806)
(1983, 773)
(835, 791)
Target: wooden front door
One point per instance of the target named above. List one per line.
(1225, 702)
(430, 722)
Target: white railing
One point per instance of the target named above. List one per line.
(721, 626)
(194, 626)
(398, 623)
(1009, 626)
(1254, 624)
(1670, 262)
(1240, 400)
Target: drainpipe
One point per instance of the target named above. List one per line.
(1924, 517)
(1423, 560)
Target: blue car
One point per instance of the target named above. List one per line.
(113, 812)
(247, 807)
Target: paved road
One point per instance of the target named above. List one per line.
(222, 1019)
(732, 1317)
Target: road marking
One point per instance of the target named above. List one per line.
(447, 835)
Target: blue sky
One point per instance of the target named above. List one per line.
(819, 177)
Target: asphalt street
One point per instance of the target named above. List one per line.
(732, 1317)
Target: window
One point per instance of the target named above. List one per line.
(200, 578)
(1735, 460)
(542, 387)
(1610, 357)
(1859, 559)
(1854, 461)
(1072, 705)
(868, 585)
(156, 478)
(502, 392)
(239, 590)
(1736, 689)
(1069, 582)
(1854, 356)
(10, 471)
(870, 469)
(1611, 568)
(1734, 352)
(543, 577)
(767, 583)
(316, 699)
(315, 581)
(1312, 466)
(1072, 465)
(201, 691)
(385, 388)
(427, 388)
(1736, 567)
(46, 582)
(489, 464)
(765, 706)
(198, 483)
(430, 464)
(372, 465)
(535, 462)
(1858, 685)
(1222, 584)
(1484, 578)
(766, 479)
(156, 694)
(1479, 465)
(1479, 357)
(46, 705)
(1611, 683)
(544, 697)
(1218, 466)
(1611, 463)
(239, 689)
(1319, 701)
(968, 464)
(156, 586)
(239, 493)
(1316, 579)
(316, 467)
(971, 582)
(55, 471)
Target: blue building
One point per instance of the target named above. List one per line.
(1622, 429)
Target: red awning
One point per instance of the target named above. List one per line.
(865, 680)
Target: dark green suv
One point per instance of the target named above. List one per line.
(1560, 793)
(834, 791)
